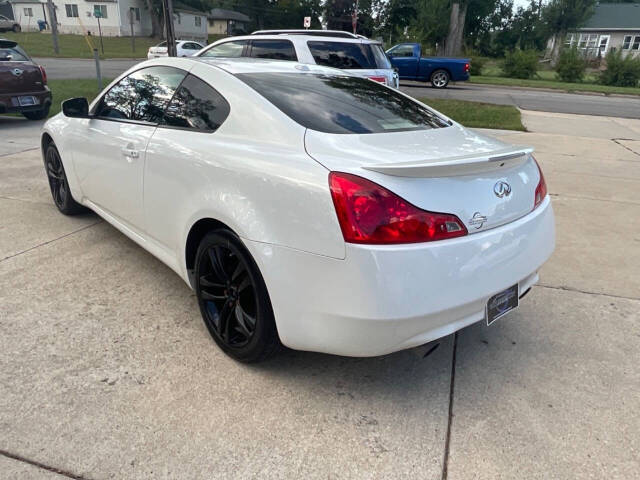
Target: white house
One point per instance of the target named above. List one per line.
(116, 16)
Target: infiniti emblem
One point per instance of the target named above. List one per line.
(17, 72)
(502, 189)
(478, 220)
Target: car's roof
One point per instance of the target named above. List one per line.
(296, 37)
(253, 65)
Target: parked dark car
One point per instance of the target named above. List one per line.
(23, 83)
(407, 58)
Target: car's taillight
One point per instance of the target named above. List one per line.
(466, 68)
(371, 214)
(44, 75)
(541, 189)
(379, 79)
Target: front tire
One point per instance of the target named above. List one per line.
(58, 183)
(38, 114)
(16, 28)
(233, 298)
(440, 79)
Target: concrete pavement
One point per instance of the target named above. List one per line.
(106, 370)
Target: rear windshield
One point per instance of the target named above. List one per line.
(15, 54)
(342, 104)
(347, 55)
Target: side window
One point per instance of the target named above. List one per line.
(141, 96)
(196, 106)
(403, 51)
(273, 49)
(226, 50)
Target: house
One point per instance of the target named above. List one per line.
(117, 17)
(612, 26)
(226, 22)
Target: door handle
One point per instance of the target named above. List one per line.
(130, 153)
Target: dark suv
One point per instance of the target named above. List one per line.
(23, 84)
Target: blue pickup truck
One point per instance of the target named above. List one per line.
(439, 71)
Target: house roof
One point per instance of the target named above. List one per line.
(181, 7)
(222, 14)
(616, 16)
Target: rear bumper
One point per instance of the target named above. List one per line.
(9, 101)
(381, 299)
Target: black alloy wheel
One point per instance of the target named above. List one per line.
(58, 183)
(233, 298)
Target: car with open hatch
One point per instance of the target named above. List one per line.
(23, 83)
(305, 206)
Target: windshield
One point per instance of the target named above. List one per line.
(346, 55)
(342, 104)
(16, 53)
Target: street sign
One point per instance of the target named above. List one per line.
(97, 12)
(307, 22)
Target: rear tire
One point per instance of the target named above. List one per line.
(58, 183)
(233, 298)
(439, 79)
(16, 28)
(38, 114)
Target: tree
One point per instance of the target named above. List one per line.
(561, 16)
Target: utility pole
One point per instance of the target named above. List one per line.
(167, 7)
(133, 36)
(54, 26)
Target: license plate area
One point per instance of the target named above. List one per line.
(27, 101)
(501, 304)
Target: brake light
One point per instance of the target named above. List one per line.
(371, 214)
(44, 75)
(379, 79)
(466, 68)
(541, 189)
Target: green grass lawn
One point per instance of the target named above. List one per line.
(75, 46)
(478, 115)
(64, 89)
(547, 80)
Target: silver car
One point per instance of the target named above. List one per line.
(330, 48)
(7, 24)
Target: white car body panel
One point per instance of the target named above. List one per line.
(266, 178)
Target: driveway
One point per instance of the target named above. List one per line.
(107, 371)
(532, 99)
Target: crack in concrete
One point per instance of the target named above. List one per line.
(579, 197)
(36, 202)
(447, 440)
(51, 241)
(586, 292)
(37, 464)
(20, 151)
(616, 141)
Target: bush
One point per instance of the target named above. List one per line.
(520, 64)
(621, 71)
(477, 64)
(571, 65)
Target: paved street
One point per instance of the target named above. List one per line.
(107, 371)
(540, 100)
(547, 101)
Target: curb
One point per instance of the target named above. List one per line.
(559, 90)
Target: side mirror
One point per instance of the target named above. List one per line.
(76, 108)
(389, 54)
(6, 58)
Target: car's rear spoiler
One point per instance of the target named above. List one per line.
(7, 43)
(455, 166)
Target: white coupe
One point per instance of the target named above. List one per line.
(305, 206)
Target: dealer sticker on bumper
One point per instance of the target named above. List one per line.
(502, 303)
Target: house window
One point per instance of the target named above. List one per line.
(101, 10)
(626, 44)
(72, 10)
(569, 41)
(588, 41)
(198, 21)
(28, 12)
(636, 43)
(135, 13)
(604, 43)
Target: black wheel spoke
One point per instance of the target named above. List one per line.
(241, 323)
(215, 256)
(206, 281)
(244, 282)
(225, 316)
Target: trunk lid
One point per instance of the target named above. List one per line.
(449, 170)
(20, 77)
